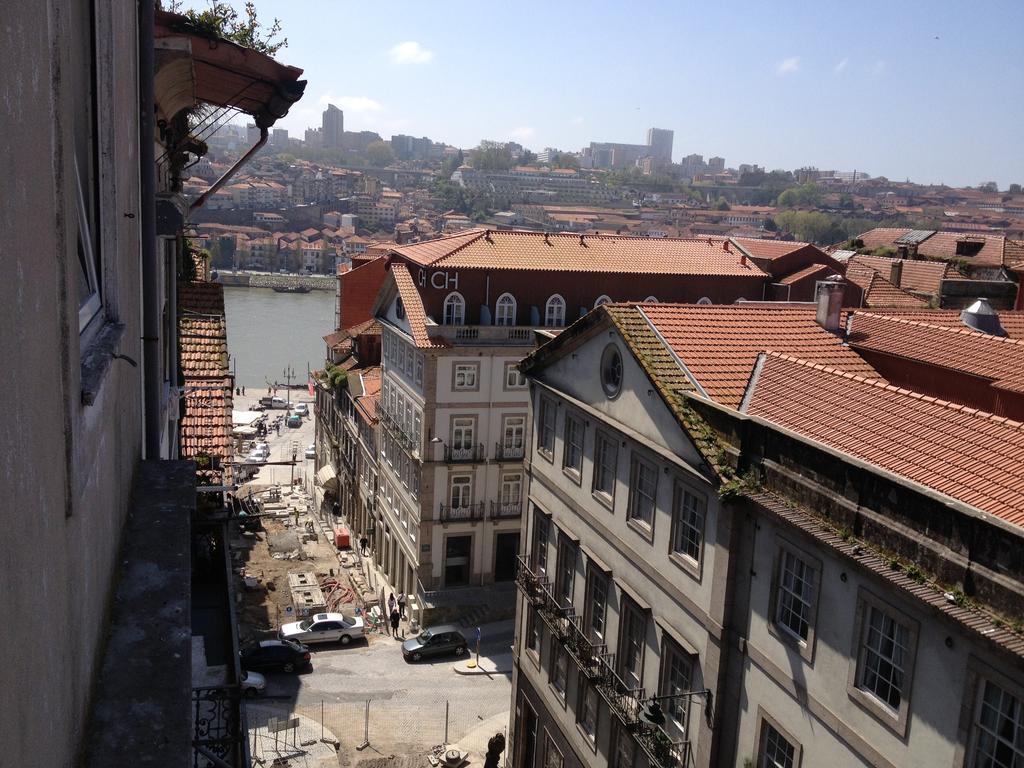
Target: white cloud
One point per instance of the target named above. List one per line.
(788, 66)
(522, 133)
(353, 104)
(841, 66)
(410, 52)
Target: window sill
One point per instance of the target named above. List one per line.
(573, 475)
(805, 648)
(589, 738)
(546, 454)
(606, 501)
(97, 359)
(641, 529)
(691, 567)
(895, 720)
(560, 695)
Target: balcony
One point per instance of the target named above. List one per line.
(464, 454)
(449, 514)
(503, 510)
(503, 452)
(392, 426)
(599, 666)
(483, 335)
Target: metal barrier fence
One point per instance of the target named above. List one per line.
(382, 725)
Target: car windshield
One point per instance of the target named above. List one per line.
(305, 625)
(425, 635)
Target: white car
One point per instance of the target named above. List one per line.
(311, 451)
(324, 628)
(302, 409)
(253, 683)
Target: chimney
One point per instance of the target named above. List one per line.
(896, 272)
(725, 245)
(828, 295)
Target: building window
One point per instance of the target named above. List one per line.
(676, 678)
(998, 728)
(419, 370)
(513, 378)
(461, 491)
(651, 300)
(643, 489)
(532, 630)
(505, 310)
(633, 623)
(602, 299)
(559, 667)
(463, 428)
(513, 431)
(588, 710)
(454, 309)
(625, 749)
(572, 452)
(688, 513)
(511, 490)
(541, 534)
(554, 312)
(566, 575)
(605, 459)
(400, 308)
(795, 595)
(552, 757)
(466, 377)
(546, 428)
(611, 370)
(883, 667)
(776, 750)
(597, 604)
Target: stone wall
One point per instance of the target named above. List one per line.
(251, 280)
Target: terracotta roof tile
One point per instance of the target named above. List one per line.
(719, 344)
(769, 249)
(811, 270)
(1000, 360)
(961, 452)
(878, 291)
(1012, 321)
(415, 315)
(582, 253)
(916, 275)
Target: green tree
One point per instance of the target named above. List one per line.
(1014, 189)
(221, 20)
(806, 195)
(527, 158)
(492, 159)
(379, 154)
(721, 204)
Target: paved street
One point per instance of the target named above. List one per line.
(412, 706)
(281, 445)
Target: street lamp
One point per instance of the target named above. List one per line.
(654, 715)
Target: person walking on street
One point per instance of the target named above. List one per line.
(395, 619)
(364, 546)
(392, 603)
(401, 604)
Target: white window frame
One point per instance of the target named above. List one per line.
(574, 435)
(636, 465)
(793, 566)
(982, 678)
(514, 379)
(505, 309)
(554, 312)
(454, 312)
(465, 496)
(601, 300)
(469, 373)
(546, 428)
(689, 521)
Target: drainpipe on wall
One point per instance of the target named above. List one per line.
(147, 229)
(201, 200)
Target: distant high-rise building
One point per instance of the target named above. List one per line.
(314, 137)
(279, 138)
(252, 133)
(660, 142)
(716, 164)
(333, 128)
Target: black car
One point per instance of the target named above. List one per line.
(275, 655)
(443, 640)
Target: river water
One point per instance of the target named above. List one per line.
(269, 332)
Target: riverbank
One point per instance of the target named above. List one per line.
(272, 280)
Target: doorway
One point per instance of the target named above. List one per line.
(506, 547)
(457, 551)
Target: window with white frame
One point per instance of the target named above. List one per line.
(559, 675)
(511, 489)
(541, 536)
(546, 428)
(602, 299)
(676, 679)
(632, 631)
(513, 433)
(466, 376)
(505, 310)
(587, 717)
(461, 491)
(462, 436)
(643, 490)
(998, 737)
(513, 378)
(688, 513)
(454, 309)
(532, 630)
(572, 452)
(554, 312)
(597, 604)
(796, 594)
(418, 374)
(882, 660)
(606, 454)
(776, 750)
(566, 575)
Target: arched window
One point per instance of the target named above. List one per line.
(454, 309)
(651, 300)
(554, 312)
(703, 300)
(602, 299)
(505, 310)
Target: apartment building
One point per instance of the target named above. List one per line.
(456, 315)
(744, 547)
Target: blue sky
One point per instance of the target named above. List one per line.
(931, 91)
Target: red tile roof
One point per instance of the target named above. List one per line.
(916, 275)
(582, 253)
(967, 454)
(769, 249)
(1012, 321)
(821, 271)
(960, 349)
(877, 291)
(415, 315)
(719, 344)
(882, 236)
(942, 245)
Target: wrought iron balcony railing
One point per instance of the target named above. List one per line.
(464, 512)
(506, 509)
(508, 452)
(218, 727)
(465, 453)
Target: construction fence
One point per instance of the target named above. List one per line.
(380, 726)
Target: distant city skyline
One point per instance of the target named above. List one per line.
(918, 90)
